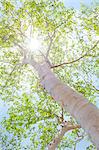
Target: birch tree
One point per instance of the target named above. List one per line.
(48, 66)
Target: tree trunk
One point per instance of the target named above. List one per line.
(86, 114)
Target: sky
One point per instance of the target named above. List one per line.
(68, 3)
(76, 3)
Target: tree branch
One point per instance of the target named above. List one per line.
(66, 126)
(51, 40)
(78, 140)
(23, 51)
(9, 75)
(65, 63)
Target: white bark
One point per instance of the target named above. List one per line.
(84, 112)
(65, 127)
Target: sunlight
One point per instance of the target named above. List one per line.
(34, 44)
(33, 40)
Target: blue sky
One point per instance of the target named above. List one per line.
(76, 3)
(68, 3)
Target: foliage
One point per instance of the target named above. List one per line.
(33, 115)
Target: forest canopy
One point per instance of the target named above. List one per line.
(68, 40)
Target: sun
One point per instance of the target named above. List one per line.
(34, 44)
(33, 40)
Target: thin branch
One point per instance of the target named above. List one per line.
(66, 126)
(23, 50)
(51, 37)
(78, 140)
(94, 88)
(46, 59)
(62, 114)
(65, 63)
(22, 34)
(14, 68)
(50, 44)
(19, 64)
(64, 21)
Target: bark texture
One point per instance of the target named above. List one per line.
(86, 114)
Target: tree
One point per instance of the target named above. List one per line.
(67, 55)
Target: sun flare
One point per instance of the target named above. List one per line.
(34, 44)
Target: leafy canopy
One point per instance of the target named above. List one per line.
(66, 35)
